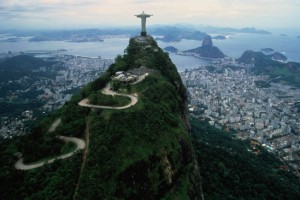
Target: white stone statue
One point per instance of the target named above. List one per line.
(143, 17)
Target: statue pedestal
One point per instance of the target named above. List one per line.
(143, 33)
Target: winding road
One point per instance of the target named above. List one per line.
(108, 91)
(80, 144)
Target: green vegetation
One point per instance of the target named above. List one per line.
(230, 171)
(143, 152)
(23, 65)
(53, 181)
(21, 73)
(73, 118)
(132, 152)
(13, 108)
(108, 100)
(280, 72)
(139, 153)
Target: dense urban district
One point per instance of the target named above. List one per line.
(44, 89)
(253, 105)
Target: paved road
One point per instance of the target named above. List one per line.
(108, 91)
(54, 125)
(141, 78)
(79, 143)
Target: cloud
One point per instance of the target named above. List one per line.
(142, 1)
(215, 12)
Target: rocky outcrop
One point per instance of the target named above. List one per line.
(207, 50)
(207, 42)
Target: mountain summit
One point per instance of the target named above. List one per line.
(207, 50)
(144, 151)
(207, 42)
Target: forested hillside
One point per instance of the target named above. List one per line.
(141, 152)
(278, 71)
(231, 170)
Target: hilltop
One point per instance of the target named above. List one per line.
(268, 64)
(142, 151)
(207, 50)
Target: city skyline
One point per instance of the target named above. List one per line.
(58, 14)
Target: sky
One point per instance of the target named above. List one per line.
(65, 14)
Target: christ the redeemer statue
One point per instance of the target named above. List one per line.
(143, 17)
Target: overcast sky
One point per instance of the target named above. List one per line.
(263, 14)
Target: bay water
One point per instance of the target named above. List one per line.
(233, 47)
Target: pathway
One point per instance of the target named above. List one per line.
(108, 91)
(54, 125)
(141, 78)
(80, 146)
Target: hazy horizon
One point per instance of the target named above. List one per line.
(70, 14)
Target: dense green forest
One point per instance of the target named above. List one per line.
(98, 98)
(53, 181)
(143, 152)
(24, 65)
(230, 171)
(279, 72)
(19, 74)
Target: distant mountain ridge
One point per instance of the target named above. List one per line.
(170, 33)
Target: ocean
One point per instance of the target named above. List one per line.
(233, 46)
